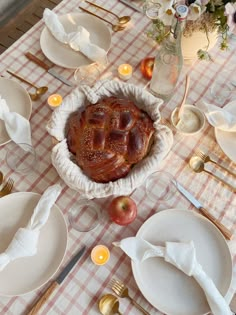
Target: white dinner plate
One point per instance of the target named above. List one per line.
(227, 140)
(18, 101)
(26, 274)
(64, 56)
(167, 288)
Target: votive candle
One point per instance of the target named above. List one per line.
(54, 100)
(100, 255)
(125, 71)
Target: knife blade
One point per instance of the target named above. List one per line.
(41, 301)
(226, 232)
(49, 69)
(131, 5)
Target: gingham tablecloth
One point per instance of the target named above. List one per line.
(79, 292)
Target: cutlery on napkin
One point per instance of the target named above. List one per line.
(78, 41)
(183, 256)
(218, 117)
(17, 126)
(25, 240)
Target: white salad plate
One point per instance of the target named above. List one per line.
(227, 140)
(167, 288)
(64, 56)
(18, 101)
(27, 274)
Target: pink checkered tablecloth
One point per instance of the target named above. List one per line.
(79, 292)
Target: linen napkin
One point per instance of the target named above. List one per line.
(17, 126)
(78, 41)
(183, 256)
(25, 240)
(218, 117)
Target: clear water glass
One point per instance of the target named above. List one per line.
(151, 9)
(84, 215)
(160, 186)
(222, 88)
(21, 157)
(88, 75)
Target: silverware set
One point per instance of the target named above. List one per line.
(206, 158)
(197, 164)
(109, 304)
(122, 291)
(116, 27)
(38, 90)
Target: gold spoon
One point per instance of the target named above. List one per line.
(197, 165)
(109, 305)
(122, 20)
(115, 27)
(39, 90)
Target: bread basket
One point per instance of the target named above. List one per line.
(62, 159)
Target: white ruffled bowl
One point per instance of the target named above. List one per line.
(62, 159)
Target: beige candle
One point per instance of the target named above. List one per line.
(54, 101)
(125, 71)
(100, 255)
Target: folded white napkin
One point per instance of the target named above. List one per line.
(78, 41)
(182, 256)
(25, 241)
(218, 117)
(17, 126)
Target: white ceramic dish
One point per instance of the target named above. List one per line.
(18, 101)
(27, 274)
(61, 54)
(189, 124)
(167, 288)
(227, 140)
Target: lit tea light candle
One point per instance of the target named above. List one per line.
(125, 71)
(54, 100)
(100, 255)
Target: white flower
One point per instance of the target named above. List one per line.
(167, 12)
(230, 12)
(195, 10)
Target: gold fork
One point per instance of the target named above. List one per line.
(122, 291)
(206, 158)
(7, 188)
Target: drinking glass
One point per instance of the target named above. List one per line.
(151, 9)
(84, 215)
(160, 186)
(21, 157)
(87, 75)
(222, 88)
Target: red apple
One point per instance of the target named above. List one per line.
(122, 210)
(146, 67)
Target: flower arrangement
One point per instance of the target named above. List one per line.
(204, 15)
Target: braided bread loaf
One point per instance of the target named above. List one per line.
(109, 137)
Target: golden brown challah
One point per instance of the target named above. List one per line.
(109, 137)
